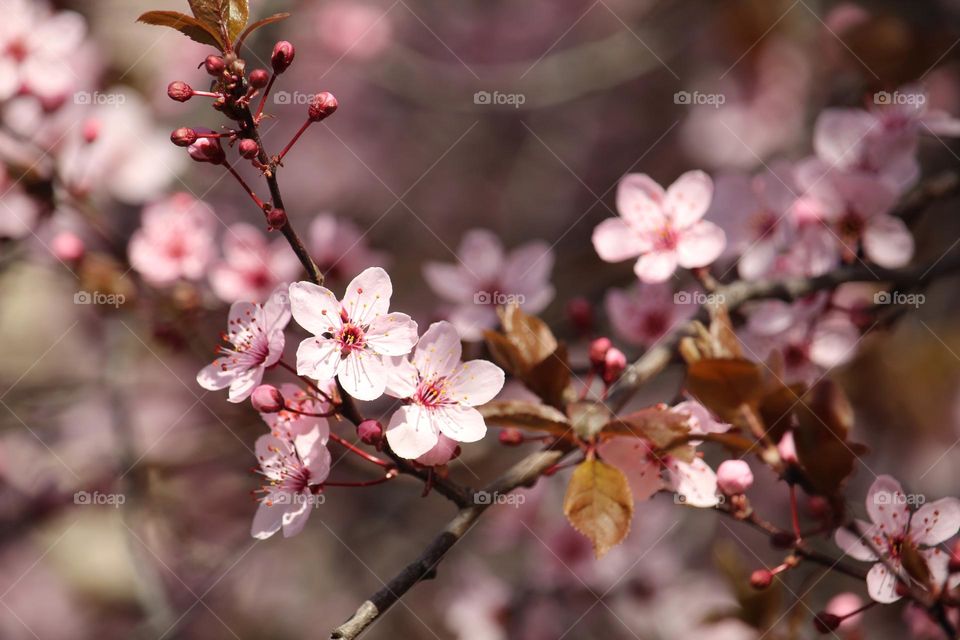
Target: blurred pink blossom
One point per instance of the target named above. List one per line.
(174, 241)
(252, 265)
(339, 248)
(354, 29)
(643, 314)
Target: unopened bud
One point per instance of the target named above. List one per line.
(179, 91)
(787, 448)
(183, 137)
(91, 130)
(276, 219)
(580, 312)
(282, 58)
(511, 437)
(598, 352)
(214, 65)
(761, 579)
(322, 106)
(614, 362)
(734, 477)
(68, 246)
(826, 622)
(370, 432)
(249, 148)
(259, 78)
(267, 399)
(207, 150)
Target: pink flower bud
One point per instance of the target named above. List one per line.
(276, 219)
(91, 130)
(267, 399)
(259, 78)
(183, 137)
(370, 432)
(179, 91)
(214, 65)
(282, 58)
(787, 448)
(580, 312)
(249, 148)
(598, 352)
(68, 246)
(511, 437)
(614, 362)
(761, 579)
(322, 106)
(826, 622)
(846, 606)
(207, 149)
(734, 477)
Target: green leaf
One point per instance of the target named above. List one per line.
(226, 17)
(277, 17)
(191, 27)
(237, 14)
(599, 504)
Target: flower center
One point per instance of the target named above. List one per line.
(351, 338)
(432, 393)
(763, 223)
(666, 239)
(653, 324)
(248, 346)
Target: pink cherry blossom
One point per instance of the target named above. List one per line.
(338, 247)
(441, 392)
(643, 314)
(174, 241)
(288, 423)
(252, 265)
(443, 452)
(254, 342)
(293, 467)
(487, 276)
(892, 528)
(353, 336)
(664, 228)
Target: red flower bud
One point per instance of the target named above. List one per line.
(183, 137)
(580, 312)
(267, 399)
(276, 219)
(207, 150)
(511, 437)
(91, 130)
(259, 78)
(282, 58)
(370, 432)
(598, 351)
(68, 246)
(322, 106)
(826, 622)
(761, 579)
(214, 65)
(249, 148)
(179, 91)
(614, 362)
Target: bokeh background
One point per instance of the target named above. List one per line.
(97, 398)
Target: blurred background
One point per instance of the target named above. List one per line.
(517, 117)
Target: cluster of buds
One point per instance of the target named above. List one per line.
(607, 361)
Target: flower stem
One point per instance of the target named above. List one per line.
(360, 452)
(293, 141)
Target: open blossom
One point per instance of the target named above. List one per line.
(254, 340)
(643, 314)
(353, 336)
(441, 392)
(252, 265)
(487, 276)
(174, 241)
(286, 423)
(693, 481)
(339, 248)
(894, 532)
(293, 468)
(664, 228)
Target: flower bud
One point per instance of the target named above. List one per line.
(848, 607)
(580, 312)
(207, 149)
(826, 622)
(267, 399)
(322, 106)
(276, 219)
(787, 448)
(761, 579)
(598, 352)
(183, 137)
(370, 432)
(68, 246)
(179, 91)
(511, 437)
(214, 65)
(282, 58)
(91, 130)
(614, 362)
(734, 477)
(249, 148)
(259, 78)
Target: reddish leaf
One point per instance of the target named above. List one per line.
(190, 27)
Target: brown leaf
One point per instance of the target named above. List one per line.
(599, 505)
(530, 335)
(777, 408)
(550, 379)
(526, 415)
(915, 564)
(277, 17)
(661, 427)
(504, 352)
(226, 17)
(588, 418)
(188, 26)
(724, 385)
(824, 420)
(719, 341)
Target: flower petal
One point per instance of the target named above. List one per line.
(315, 308)
(217, 375)
(656, 266)
(694, 482)
(640, 201)
(411, 432)
(615, 241)
(450, 281)
(244, 384)
(688, 198)
(402, 377)
(881, 584)
(318, 358)
(392, 334)
(700, 244)
(936, 522)
(856, 546)
(363, 374)
(463, 424)
(475, 382)
(887, 506)
(295, 515)
(438, 352)
(368, 295)
(632, 457)
(267, 520)
(888, 242)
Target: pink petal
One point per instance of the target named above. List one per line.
(368, 295)
(881, 584)
(615, 241)
(632, 457)
(888, 242)
(315, 308)
(267, 520)
(938, 562)
(840, 135)
(438, 352)
(640, 201)
(694, 481)
(318, 358)
(450, 281)
(758, 258)
(214, 377)
(295, 515)
(656, 266)
(276, 310)
(771, 317)
(363, 375)
(402, 377)
(268, 448)
(856, 546)
(244, 384)
(471, 319)
(314, 454)
(411, 433)
(393, 334)
(481, 254)
(700, 245)
(475, 382)
(463, 424)
(936, 522)
(887, 506)
(834, 340)
(688, 199)
(441, 453)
